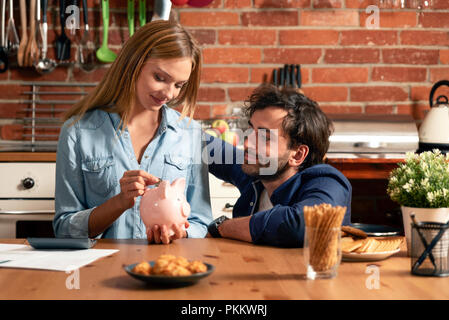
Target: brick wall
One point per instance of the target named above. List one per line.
(346, 67)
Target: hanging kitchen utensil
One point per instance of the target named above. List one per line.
(298, 76)
(104, 54)
(32, 51)
(275, 77)
(12, 37)
(62, 43)
(161, 10)
(3, 54)
(199, 3)
(142, 13)
(86, 48)
(287, 76)
(24, 38)
(434, 130)
(131, 17)
(45, 65)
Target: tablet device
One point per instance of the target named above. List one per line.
(61, 243)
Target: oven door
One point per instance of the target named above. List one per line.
(33, 219)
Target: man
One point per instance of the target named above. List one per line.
(270, 208)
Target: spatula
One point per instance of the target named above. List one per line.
(104, 54)
(142, 13)
(131, 17)
(62, 43)
(86, 49)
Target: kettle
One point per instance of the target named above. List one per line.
(434, 130)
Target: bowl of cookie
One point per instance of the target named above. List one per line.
(170, 270)
(357, 245)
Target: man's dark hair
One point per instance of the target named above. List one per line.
(305, 123)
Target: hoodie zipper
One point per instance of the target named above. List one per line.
(255, 201)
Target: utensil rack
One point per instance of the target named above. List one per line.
(38, 120)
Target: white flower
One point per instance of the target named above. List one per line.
(430, 197)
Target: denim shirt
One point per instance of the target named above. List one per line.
(92, 156)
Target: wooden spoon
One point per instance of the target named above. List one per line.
(24, 40)
(32, 51)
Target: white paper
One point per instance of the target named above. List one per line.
(23, 256)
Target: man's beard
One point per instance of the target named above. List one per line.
(254, 170)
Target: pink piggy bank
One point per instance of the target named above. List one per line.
(165, 205)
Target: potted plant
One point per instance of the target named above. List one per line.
(421, 185)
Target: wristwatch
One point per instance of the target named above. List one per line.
(213, 226)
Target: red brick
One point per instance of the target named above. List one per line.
(410, 56)
(351, 55)
(12, 132)
(308, 37)
(326, 94)
(208, 94)
(225, 75)
(421, 93)
(339, 109)
(270, 18)
(440, 4)
(417, 110)
(434, 19)
(368, 37)
(399, 74)
(422, 38)
(438, 74)
(202, 112)
(219, 110)
(339, 75)
(231, 55)
(379, 109)
(206, 18)
(233, 4)
(281, 3)
(240, 93)
(378, 93)
(12, 110)
(329, 18)
(360, 4)
(444, 56)
(204, 36)
(291, 56)
(95, 75)
(247, 37)
(12, 91)
(394, 19)
(261, 75)
(30, 74)
(320, 4)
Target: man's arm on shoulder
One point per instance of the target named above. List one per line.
(284, 225)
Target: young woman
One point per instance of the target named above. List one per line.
(124, 137)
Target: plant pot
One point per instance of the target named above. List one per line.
(422, 215)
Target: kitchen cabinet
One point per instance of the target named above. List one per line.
(223, 196)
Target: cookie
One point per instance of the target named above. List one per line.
(354, 232)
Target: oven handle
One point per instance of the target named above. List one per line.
(18, 212)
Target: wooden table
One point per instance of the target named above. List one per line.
(243, 271)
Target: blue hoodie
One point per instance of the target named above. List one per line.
(282, 225)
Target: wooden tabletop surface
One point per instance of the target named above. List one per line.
(242, 271)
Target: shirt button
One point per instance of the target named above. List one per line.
(146, 157)
(251, 203)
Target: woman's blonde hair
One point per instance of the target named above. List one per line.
(117, 90)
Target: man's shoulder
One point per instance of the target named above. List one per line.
(322, 171)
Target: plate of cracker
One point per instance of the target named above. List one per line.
(170, 270)
(356, 245)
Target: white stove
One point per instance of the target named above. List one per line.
(27, 204)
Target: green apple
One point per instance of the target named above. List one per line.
(221, 125)
(230, 137)
(213, 132)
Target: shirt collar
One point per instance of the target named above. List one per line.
(169, 119)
